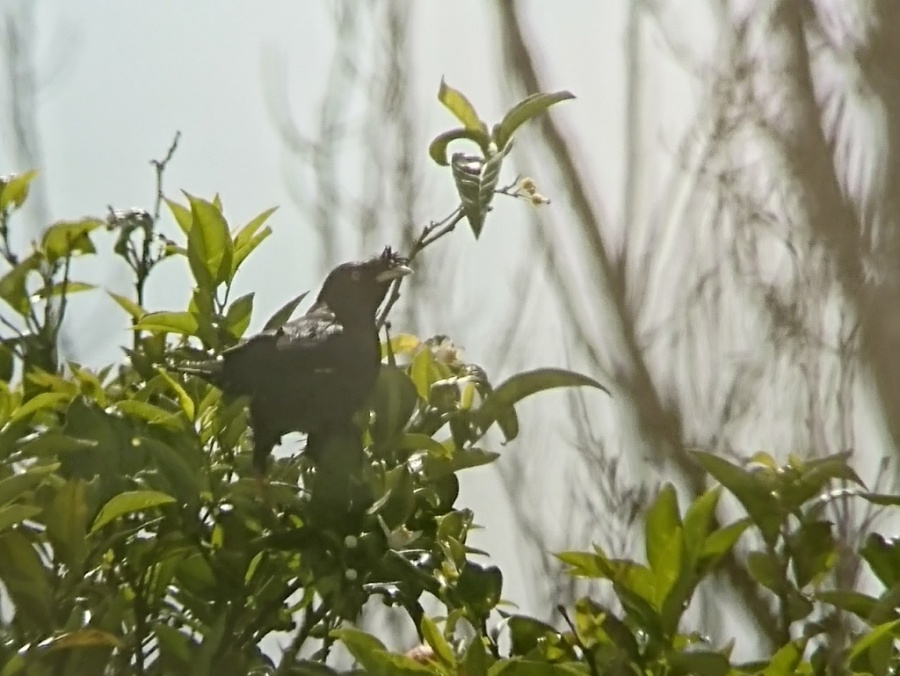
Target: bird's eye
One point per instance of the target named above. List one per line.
(355, 275)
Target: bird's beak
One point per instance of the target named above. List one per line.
(395, 272)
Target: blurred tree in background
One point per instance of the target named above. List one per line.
(743, 293)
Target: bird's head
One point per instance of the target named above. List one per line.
(356, 289)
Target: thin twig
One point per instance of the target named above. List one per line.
(160, 166)
(429, 235)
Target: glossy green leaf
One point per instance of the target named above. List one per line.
(703, 662)
(67, 238)
(184, 399)
(59, 288)
(661, 523)
(394, 400)
(459, 105)
(283, 314)
(883, 556)
(526, 632)
(424, 372)
(210, 248)
(361, 645)
(786, 659)
(476, 180)
(476, 660)
(67, 520)
(522, 385)
(45, 401)
(14, 189)
(53, 443)
(237, 319)
(182, 216)
(13, 487)
(861, 605)
(128, 503)
(882, 633)
(753, 494)
(480, 587)
(765, 570)
(132, 308)
(26, 581)
(249, 237)
(813, 552)
(82, 638)
(437, 149)
(10, 515)
(721, 541)
(519, 114)
(184, 323)
(698, 519)
(434, 638)
(13, 285)
(463, 458)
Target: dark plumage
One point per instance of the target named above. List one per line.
(312, 374)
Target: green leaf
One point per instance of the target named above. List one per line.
(660, 524)
(394, 400)
(182, 216)
(66, 238)
(786, 659)
(66, 519)
(883, 557)
(14, 189)
(861, 605)
(153, 414)
(59, 288)
(247, 238)
(425, 371)
(525, 633)
(277, 320)
(721, 541)
(361, 645)
(524, 110)
(210, 249)
(463, 458)
(13, 487)
(523, 385)
(422, 442)
(132, 308)
(10, 515)
(476, 180)
(13, 285)
(54, 444)
(476, 660)
(184, 323)
(460, 106)
(128, 503)
(765, 570)
(479, 587)
(755, 496)
(184, 399)
(698, 519)
(434, 638)
(437, 149)
(880, 633)
(813, 552)
(82, 638)
(40, 402)
(237, 319)
(26, 581)
(703, 662)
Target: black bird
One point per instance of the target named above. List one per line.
(313, 373)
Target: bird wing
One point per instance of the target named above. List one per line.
(302, 347)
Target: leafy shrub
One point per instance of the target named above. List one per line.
(135, 539)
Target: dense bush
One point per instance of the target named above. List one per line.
(134, 537)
